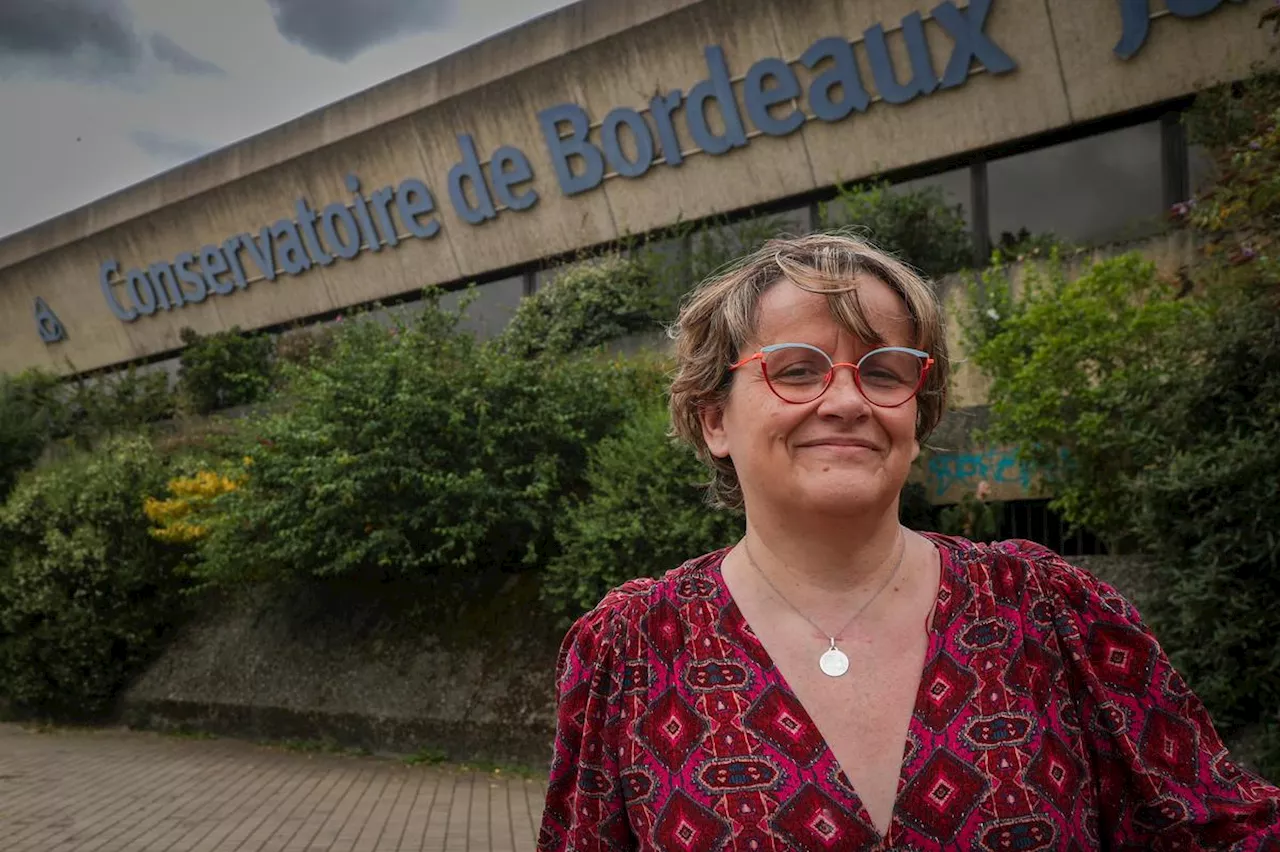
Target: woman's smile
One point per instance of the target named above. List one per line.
(841, 446)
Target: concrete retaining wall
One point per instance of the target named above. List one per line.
(345, 669)
(341, 670)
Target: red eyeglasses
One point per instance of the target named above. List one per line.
(798, 373)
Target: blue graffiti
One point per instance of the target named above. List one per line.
(996, 467)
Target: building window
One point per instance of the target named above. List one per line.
(742, 236)
(543, 277)
(1105, 188)
(492, 305)
(954, 187)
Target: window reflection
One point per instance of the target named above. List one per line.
(954, 186)
(492, 306)
(1099, 189)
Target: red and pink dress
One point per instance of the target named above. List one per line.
(1048, 717)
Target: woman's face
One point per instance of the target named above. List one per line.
(838, 454)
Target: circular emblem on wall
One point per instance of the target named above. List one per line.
(48, 324)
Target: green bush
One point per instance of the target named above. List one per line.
(645, 513)
(1072, 362)
(38, 408)
(1211, 506)
(918, 225)
(973, 518)
(1223, 116)
(86, 594)
(1025, 245)
(713, 245)
(29, 417)
(122, 402)
(224, 369)
(585, 306)
(1169, 409)
(1153, 406)
(417, 450)
(635, 290)
(302, 345)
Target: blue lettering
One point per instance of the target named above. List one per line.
(410, 207)
(184, 265)
(613, 152)
(1194, 8)
(105, 271)
(381, 200)
(845, 74)
(504, 179)
(759, 98)
(137, 284)
(662, 107)
(307, 221)
(367, 231)
(562, 148)
(967, 31)
(347, 243)
(231, 251)
(213, 264)
(260, 252)
(469, 170)
(165, 285)
(923, 80)
(718, 90)
(289, 254)
(1136, 18)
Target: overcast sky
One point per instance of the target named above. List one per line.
(99, 94)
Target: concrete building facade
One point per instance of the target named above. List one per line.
(605, 120)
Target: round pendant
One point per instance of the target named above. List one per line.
(834, 663)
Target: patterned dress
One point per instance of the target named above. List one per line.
(1047, 717)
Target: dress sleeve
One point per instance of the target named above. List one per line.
(584, 809)
(1165, 780)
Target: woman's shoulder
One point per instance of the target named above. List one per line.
(691, 578)
(1027, 574)
(624, 606)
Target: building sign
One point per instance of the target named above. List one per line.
(480, 191)
(1137, 20)
(342, 230)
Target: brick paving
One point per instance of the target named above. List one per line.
(123, 791)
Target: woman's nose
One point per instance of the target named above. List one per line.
(843, 389)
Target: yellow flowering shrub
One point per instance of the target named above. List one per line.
(177, 520)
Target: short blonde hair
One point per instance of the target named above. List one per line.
(719, 317)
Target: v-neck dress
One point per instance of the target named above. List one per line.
(1047, 717)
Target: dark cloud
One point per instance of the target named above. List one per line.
(70, 36)
(180, 59)
(95, 39)
(341, 29)
(167, 148)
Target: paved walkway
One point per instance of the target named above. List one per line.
(120, 791)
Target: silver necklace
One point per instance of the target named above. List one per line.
(833, 661)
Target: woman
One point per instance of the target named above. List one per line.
(837, 682)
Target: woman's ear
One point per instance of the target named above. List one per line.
(714, 431)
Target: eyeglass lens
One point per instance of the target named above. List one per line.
(885, 377)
